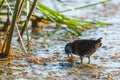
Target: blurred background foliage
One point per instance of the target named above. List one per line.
(18, 13)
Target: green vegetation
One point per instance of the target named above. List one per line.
(18, 10)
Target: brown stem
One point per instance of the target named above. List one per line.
(3, 55)
(28, 18)
(20, 9)
(1, 4)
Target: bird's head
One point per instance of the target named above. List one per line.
(68, 48)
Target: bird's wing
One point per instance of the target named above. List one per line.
(85, 46)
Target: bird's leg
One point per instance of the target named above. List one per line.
(88, 59)
(81, 59)
(68, 55)
(71, 54)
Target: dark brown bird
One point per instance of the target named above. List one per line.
(83, 48)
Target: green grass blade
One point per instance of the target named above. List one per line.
(89, 5)
(12, 27)
(59, 18)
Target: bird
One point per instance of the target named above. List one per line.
(83, 47)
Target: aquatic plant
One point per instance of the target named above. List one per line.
(18, 9)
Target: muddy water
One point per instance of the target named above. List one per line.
(104, 62)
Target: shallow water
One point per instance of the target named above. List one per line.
(104, 62)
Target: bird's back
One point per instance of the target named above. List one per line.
(83, 47)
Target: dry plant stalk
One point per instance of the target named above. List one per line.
(3, 48)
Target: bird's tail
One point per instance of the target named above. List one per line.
(99, 40)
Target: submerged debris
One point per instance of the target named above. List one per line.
(37, 61)
(71, 59)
